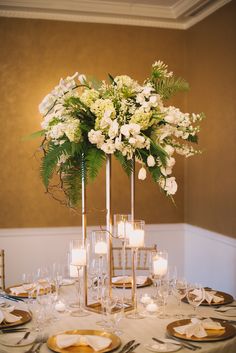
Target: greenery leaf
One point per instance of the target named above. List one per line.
(94, 161)
(34, 135)
(167, 87)
(50, 160)
(127, 165)
(72, 185)
(193, 138)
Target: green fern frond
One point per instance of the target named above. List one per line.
(94, 159)
(126, 164)
(167, 87)
(72, 185)
(50, 159)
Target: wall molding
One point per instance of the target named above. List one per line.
(178, 16)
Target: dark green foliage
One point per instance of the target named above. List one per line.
(126, 164)
(94, 160)
(50, 160)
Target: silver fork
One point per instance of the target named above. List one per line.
(37, 344)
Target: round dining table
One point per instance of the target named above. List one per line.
(140, 330)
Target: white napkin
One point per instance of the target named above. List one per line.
(121, 279)
(5, 315)
(209, 296)
(128, 279)
(198, 328)
(29, 287)
(96, 342)
(18, 290)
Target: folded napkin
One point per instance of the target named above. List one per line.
(97, 343)
(209, 296)
(23, 289)
(198, 328)
(6, 316)
(128, 279)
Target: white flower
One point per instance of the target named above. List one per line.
(46, 104)
(56, 131)
(130, 129)
(82, 78)
(103, 107)
(151, 161)
(108, 147)
(96, 137)
(169, 185)
(113, 130)
(72, 130)
(166, 171)
(170, 162)
(89, 96)
(125, 130)
(169, 149)
(142, 174)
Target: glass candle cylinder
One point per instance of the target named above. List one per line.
(136, 234)
(160, 263)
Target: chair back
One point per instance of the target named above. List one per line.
(2, 270)
(143, 260)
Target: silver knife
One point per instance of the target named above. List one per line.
(132, 348)
(127, 346)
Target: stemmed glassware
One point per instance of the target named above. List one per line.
(163, 293)
(121, 229)
(195, 296)
(135, 240)
(78, 260)
(158, 267)
(179, 290)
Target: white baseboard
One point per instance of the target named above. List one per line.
(199, 254)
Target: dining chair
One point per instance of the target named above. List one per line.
(143, 260)
(2, 270)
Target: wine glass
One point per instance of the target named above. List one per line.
(163, 293)
(179, 290)
(195, 296)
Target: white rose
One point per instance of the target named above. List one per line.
(151, 161)
(96, 137)
(169, 185)
(142, 174)
(166, 171)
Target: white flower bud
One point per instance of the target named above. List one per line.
(82, 78)
(151, 161)
(142, 174)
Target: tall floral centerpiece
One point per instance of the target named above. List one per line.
(83, 121)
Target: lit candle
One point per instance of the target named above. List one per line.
(78, 257)
(159, 266)
(60, 306)
(101, 248)
(152, 307)
(136, 238)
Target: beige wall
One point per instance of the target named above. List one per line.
(34, 55)
(210, 197)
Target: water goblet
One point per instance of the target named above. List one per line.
(195, 296)
(163, 293)
(179, 291)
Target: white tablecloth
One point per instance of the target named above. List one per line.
(141, 330)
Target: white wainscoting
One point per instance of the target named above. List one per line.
(210, 259)
(198, 254)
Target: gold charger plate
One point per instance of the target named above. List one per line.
(22, 295)
(116, 342)
(212, 335)
(129, 285)
(227, 299)
(25, 317)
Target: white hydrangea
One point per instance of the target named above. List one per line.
(124, 80)
(72, 130)
(89, 96)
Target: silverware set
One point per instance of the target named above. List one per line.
(180, 343)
